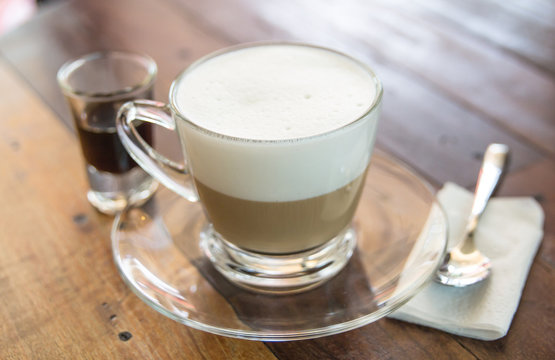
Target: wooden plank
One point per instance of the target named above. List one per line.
(62, 296)
(385, 339)
(474, 74)
(502, 87)
(524, 28)
(410, 129)
(70, 29)
(433, 132)
(537, 180)
(481, 77)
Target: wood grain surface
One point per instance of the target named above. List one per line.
(62, 296)
(457, 76)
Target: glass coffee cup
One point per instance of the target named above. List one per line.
(277, 139)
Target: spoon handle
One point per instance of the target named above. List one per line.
(490, 173)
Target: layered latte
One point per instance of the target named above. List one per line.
(278, 138)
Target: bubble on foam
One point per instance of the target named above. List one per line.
(275, 92)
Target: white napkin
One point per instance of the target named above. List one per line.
(509, 233)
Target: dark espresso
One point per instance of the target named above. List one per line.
(281, 227)
(99, 140)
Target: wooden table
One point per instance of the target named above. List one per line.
(457, 75)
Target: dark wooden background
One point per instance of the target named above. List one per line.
(457, 76)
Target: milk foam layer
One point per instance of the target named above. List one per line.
(284, 170)
(275, 92)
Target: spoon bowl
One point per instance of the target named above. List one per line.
(459, 269)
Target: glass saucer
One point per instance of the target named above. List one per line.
(401, 238)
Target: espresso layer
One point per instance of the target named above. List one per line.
(281, 227)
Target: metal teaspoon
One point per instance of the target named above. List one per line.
(464, 264)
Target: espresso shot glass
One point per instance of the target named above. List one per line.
(95, 86)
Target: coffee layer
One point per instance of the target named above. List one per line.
(281, 227)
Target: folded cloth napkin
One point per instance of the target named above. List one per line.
(509, 233)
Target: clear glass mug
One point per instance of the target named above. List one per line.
(278, 211)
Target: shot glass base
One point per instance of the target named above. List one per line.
(278, 274)
(112, 202)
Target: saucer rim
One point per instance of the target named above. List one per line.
(274, 336)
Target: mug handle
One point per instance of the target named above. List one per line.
(173, 175)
